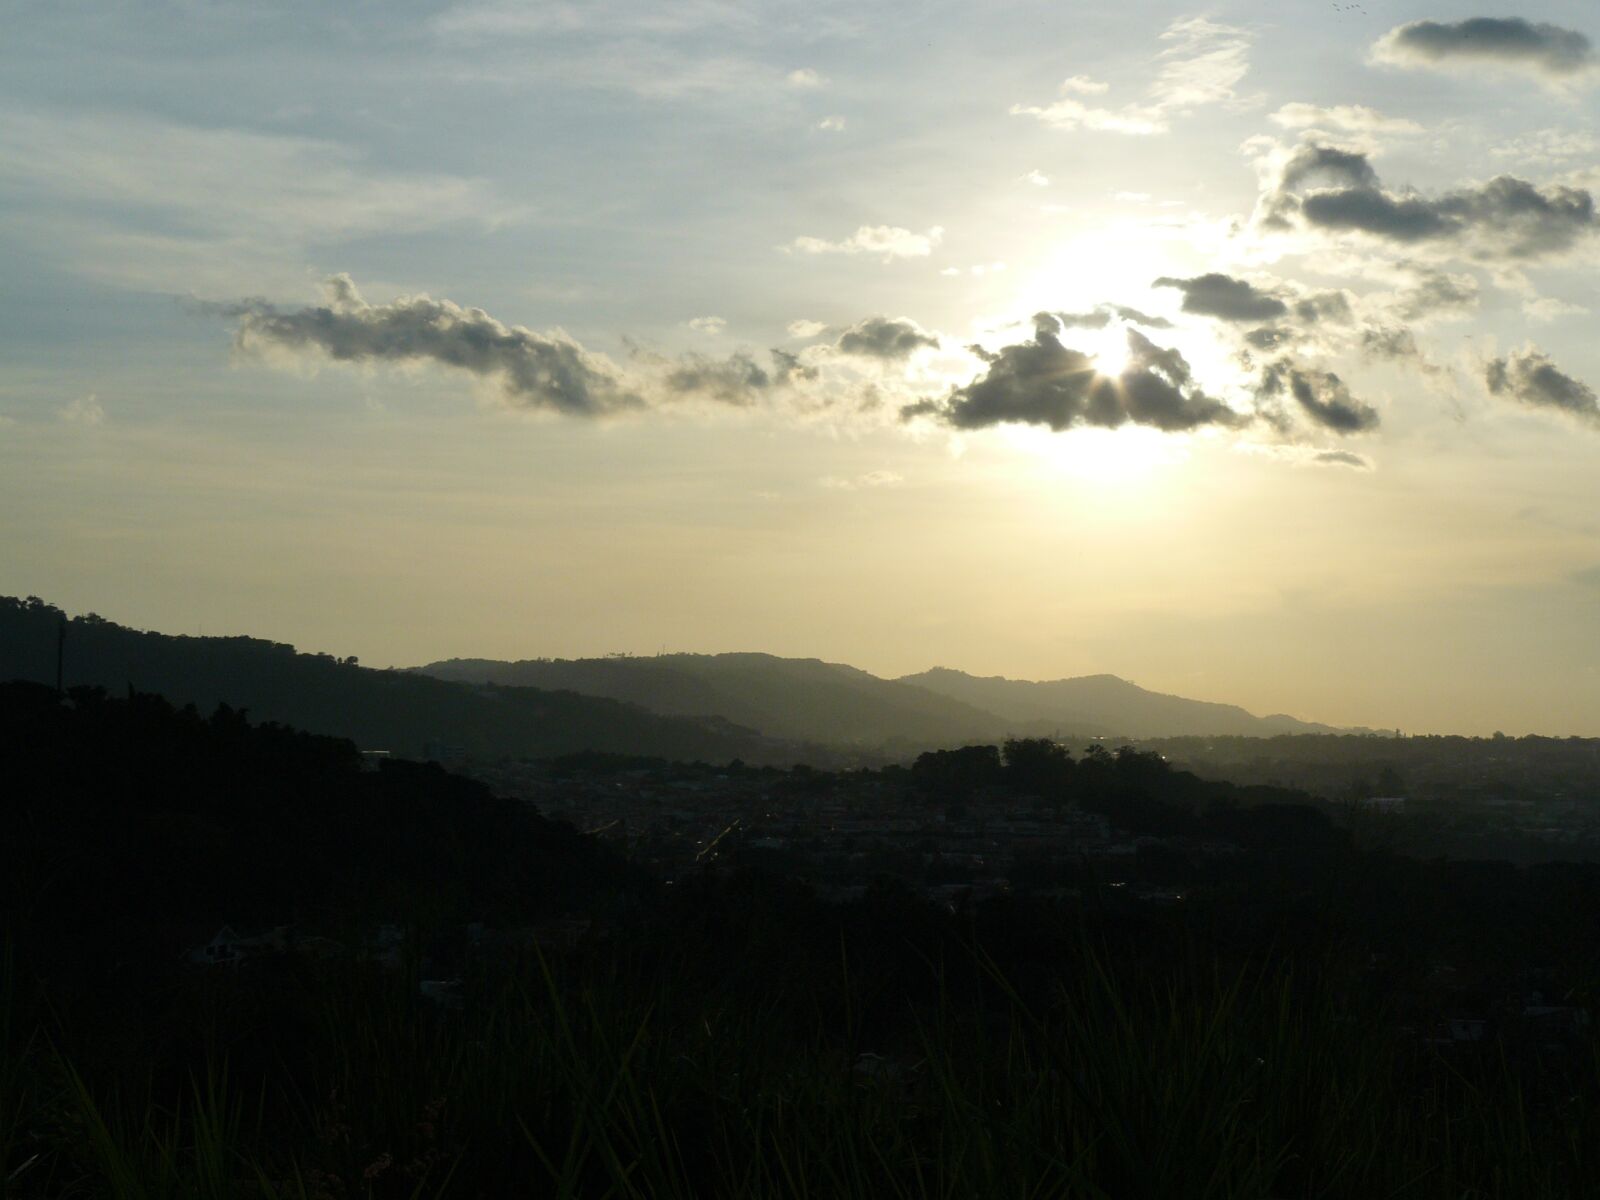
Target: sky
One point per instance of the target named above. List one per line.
(1246, 351)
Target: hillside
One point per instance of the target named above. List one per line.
(1107, 704)
(399, 711)
(173, 822)
(803, 699)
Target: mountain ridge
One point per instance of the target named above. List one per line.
(802, 699)
(751, 705)
(815, 700)
(1131, 710)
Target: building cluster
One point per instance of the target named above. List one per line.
(840, 831)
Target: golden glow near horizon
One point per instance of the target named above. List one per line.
(407, 389)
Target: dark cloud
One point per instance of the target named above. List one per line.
(1321, 395)
(1134, 317)
(1342, 458)
(1043, 382)
(1504, 218)
(1530, 377)
(1397, 344)
(1101, 316)
(527, 369)
(1327, 166)
(1269, 337)
(1438, 294)
(737, 379)
(1516, 218)
(884, 337)
(1389, 342)
(1547, 50)
(1400, 219)
(1226, 298)
(530, 370)
(1324, 306)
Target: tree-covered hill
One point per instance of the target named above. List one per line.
(398, 711)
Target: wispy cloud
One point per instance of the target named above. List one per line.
(152, 202)
(872, 479)
(85, 410)
(1202, 65)
(482, 20)
(887, 242)
(1341, 118)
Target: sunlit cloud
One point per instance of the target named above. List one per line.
(1341, 118)
(871, 479)
(84, 410)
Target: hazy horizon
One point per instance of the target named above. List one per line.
(1241, 354)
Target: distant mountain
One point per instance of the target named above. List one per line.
(399, 711)
(803, 699)
(1106, 703)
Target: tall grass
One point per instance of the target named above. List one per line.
(602, 1079)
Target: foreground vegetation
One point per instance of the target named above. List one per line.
(619, 1074)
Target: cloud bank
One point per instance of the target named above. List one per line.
(863, 371)
(529, 370)
(1337, 191)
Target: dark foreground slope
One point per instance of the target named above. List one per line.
(397, 711)
(804, 699)
(1104, 704)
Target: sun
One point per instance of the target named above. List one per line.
(1131, 456)
(1108, 347)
